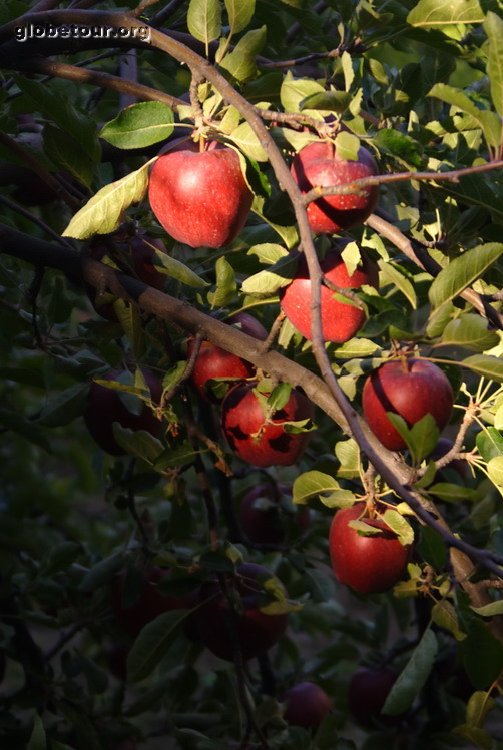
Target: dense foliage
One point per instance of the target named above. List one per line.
(169, 472)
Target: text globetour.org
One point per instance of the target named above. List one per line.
(79, 31)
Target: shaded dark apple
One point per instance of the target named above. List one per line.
(262, 518)
(410, 388)
(367, 692)
(258, 439)
(105, 406)
(149, 604)
(368, 564)
(340, 321)
(214, 362)
(219, 627)
(318, 165)
(200, 197)
(306, 705)
(137, 253)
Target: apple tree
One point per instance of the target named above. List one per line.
(251, 421)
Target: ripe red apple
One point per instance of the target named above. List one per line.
(200, 197)
(137, 252)
(219, 627)
(150, 603)
(105, 406)
(411, 388)
(369, 564)
(368, 689)
(340, 321)
(318, 165)
(261, 517)
(214, 362)
(259, 439)
(307, 704)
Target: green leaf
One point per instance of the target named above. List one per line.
(28, 429)
(38, 740)
(328, 101)
(413, 677)
(164, 263)
(463, 271)
(487, 121)
(400, 526)
(296, 90)
(102, 572)
(67, 152)
(312, 484)
(355, 348)
(61, 557)
(138, 443)
(268, 252)
(152, 644)
(432, 547)
(239, 13)
(430, 13)
(478, 707)
(240, 63)
(348, 453)
(495, 471)
(482, 655)
(489, 443)
(247, 141)
(225, 284)
(400, 145)
(493, 26)
(266, 283)
(139, 125)
(454, 493)
(64, 406)
(423, 437)
(347, 146)
(174, 375)
(486, 365)
(204, 20)
(470, 331)
(393, 275)
(490, 610)
(445, 616)
(103, 213)
(50, 102)
(279, 397)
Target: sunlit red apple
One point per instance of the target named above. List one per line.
(200, 197)
(368, 564)
(261, 439)
(340, 320)
(213, 362)
(319, 165)
(410, 388)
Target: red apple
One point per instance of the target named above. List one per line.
(200, 197)
(150, 603)
(214, 362)
(340, 321)
(262, 518)
(219, 627)
(307, 704)
(318, 165)
(137, 252)
(410, 388)
(257, 438)
(368, 564)
(105, 406)
(367, 693)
